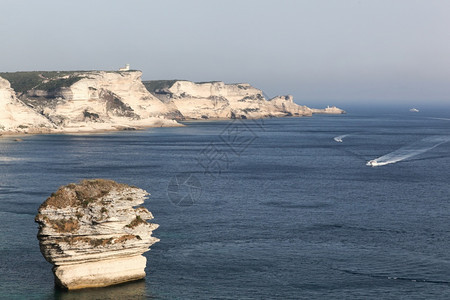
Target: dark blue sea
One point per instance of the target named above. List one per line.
(266, 209)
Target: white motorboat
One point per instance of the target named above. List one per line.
(372, 163)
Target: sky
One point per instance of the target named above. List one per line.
(320, 51)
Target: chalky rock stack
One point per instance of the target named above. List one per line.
(95, 234)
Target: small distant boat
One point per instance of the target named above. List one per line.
(414, 110)
(340, 138)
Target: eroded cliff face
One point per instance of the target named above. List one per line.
(100, 100)
(15, 116)
(95, 232)
(285, 106)
(217, 100)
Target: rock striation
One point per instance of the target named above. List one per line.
(94, 233)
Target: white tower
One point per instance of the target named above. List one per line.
(127, 68)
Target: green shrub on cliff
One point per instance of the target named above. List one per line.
(55, 84)
(22, 82)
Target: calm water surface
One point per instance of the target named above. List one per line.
(272, 209)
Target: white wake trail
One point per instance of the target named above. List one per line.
(443, 119)
(409, 151)
(8, 159)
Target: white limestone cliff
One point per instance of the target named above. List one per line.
(101, 101)
(217, 100)
(286, 105)
(87, 101)
(94, 234)
(15, 116)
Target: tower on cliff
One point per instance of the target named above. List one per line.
(127, 68)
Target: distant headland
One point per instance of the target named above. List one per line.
(89, 101)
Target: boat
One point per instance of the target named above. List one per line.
(338, 139)
(372, 163)
(414, 110)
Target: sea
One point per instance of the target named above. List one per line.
(281, 208)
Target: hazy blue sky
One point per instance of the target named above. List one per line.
(317, 50)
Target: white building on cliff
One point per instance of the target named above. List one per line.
(127, 68)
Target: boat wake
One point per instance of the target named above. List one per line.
(443, 119)
(409, 151)
(9, 159)
(340, 138)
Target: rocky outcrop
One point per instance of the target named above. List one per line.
(285, 105)
(217, 100)
(94, 233)
(15, 116)
(331, 110)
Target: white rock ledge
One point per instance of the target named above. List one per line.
(101, 273)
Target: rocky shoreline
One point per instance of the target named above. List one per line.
(97, 101)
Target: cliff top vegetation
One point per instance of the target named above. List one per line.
(22, 82)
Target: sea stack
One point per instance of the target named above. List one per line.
(94, 233)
